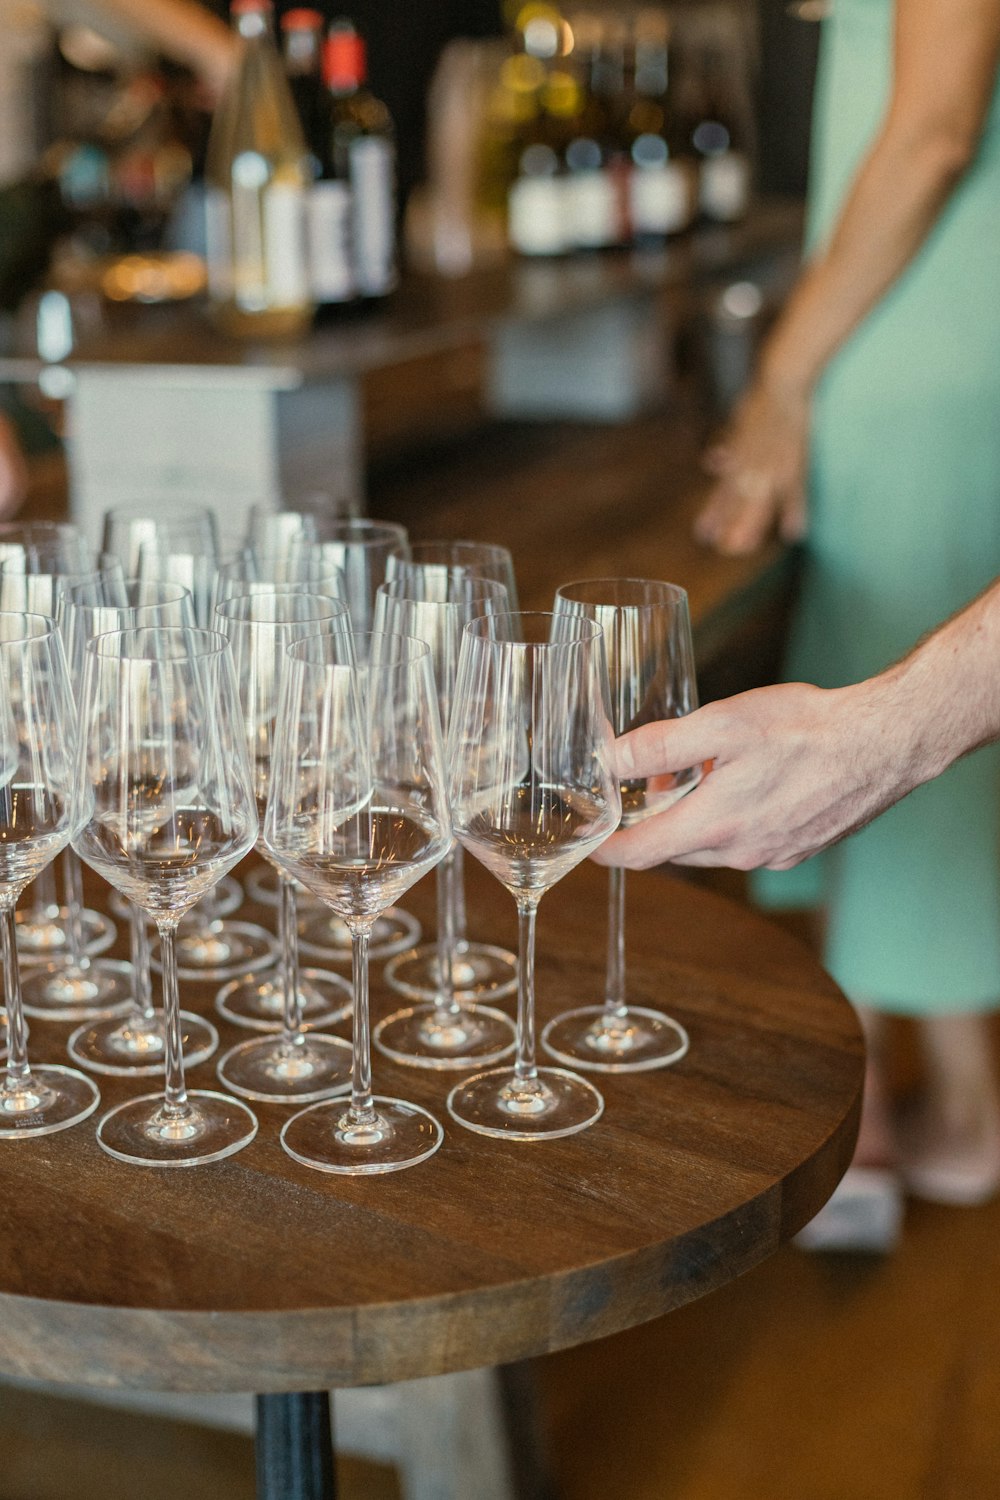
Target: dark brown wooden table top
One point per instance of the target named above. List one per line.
(258, 1274)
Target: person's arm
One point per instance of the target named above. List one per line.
(945, 62)
(184, 31)
(796, 768)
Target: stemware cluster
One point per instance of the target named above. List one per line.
(361, 711)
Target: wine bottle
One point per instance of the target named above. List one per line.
(597, 154)
(718, 138)
(256, 176)
(663, 189)
(361, 152)
(545, 96)
(329, 207)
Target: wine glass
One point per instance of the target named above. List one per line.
(533, 790)
(487, 970)
(168, 806)
(359, 548)
(296, 1065)
(480, 559)
(68, 984)
(274, 531)
(358, 813)
(134, 1043)
(647, 637)
(39, 814)
(37, 559)
(127, 528)
(450, 1027)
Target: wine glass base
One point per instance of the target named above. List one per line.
(479, 971)
(262, 886)
(149, 1133)
(260, 1005)
(41, 939)
(51, 1098)
(227, 898)
(631, 1041)
(62, 992)
(136, 1048)
(221, 951)
(324, 935)
(282, 1072)
(420, 1038)
(553, 1103)
(328, 1138)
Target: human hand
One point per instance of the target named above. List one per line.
(13, 469)
(759, 466)
(794, 769)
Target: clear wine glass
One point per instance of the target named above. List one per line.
(272, 531)
(486, 971)
(68, 984)
(135, 1043)
(39, 814)
(168, 805)
(647, 637)
(358, 813)
(450, 1026)
(36, 560)
(533, 789)
(359, 548)
(127, 528)
(296, 1065)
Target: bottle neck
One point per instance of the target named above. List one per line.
(302, 54)
(254, 25)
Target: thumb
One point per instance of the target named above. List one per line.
(667, 745)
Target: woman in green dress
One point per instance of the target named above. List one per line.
(872, 428)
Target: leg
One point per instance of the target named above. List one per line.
(951, 1140)
(295, 1447)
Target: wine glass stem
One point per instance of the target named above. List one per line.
(615, 988)
(459, 926)
(45, 903)
(175, 1093)
(447, 1006)
(73, 877)
(17, 1032)
(527, 910)
(362, 1108)
(139, 954)
(288, 939)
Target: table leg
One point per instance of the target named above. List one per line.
(295, 1447)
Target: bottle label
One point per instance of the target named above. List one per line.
(372, 171)
(593, 210)
(285, 244)
(661, 199)
(725, 186)
(328, 224)
(218, 244)
(536, 216)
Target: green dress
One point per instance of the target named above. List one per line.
(904, 529)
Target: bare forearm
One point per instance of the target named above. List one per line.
(183, 30)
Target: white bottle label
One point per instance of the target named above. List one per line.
(593, 210)
(218, 243)
(285, 245)
(660, 199)
(536, 216)
(328, 223)
(372, 170)
(725, 186)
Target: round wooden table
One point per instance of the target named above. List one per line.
(257, 1274)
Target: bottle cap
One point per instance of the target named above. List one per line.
(248, 7)
(302, 19)
(345, 58)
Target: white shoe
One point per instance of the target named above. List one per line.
(865, 1214)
